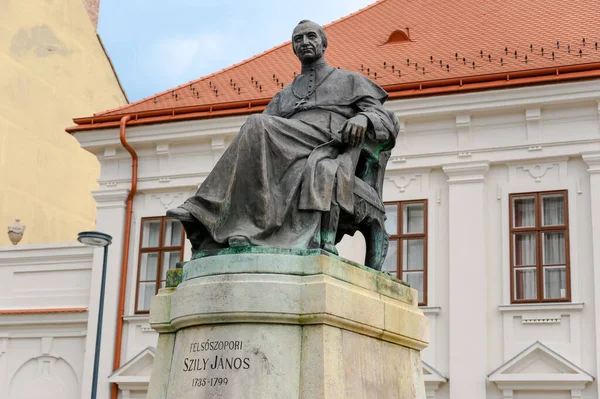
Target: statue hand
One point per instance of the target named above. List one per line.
(354, 131)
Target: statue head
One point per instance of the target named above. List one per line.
(309, 41)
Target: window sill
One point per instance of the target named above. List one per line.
(433, 310)
(536, 307)
(137, 317)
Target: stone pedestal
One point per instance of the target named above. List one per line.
(281, 326)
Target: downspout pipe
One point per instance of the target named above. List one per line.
(126, 242)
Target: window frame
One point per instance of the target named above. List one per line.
(159, 250)
(399, 237)
(539, 229)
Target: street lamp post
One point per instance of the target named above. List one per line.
(97, 239)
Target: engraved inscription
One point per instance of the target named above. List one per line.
(211, 361)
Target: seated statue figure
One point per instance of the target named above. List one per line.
(289, 166)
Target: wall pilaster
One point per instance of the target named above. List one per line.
(467, 279)
(593, 161)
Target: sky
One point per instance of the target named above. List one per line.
(156, 45)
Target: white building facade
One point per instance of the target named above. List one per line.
(497, 194)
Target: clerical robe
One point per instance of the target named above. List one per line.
(288, 165)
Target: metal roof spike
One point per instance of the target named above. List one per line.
(552, 60)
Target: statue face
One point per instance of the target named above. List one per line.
(307, 42)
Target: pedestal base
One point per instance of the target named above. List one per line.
(271, 326)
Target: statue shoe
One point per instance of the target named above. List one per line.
(238, 242)
(181, 214)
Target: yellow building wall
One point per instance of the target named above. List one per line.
(52, 68)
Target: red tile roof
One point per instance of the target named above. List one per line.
(410, 48)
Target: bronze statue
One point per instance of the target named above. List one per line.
(306, 171)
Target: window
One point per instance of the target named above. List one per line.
(407, 254)
(539, 247)
(161, 247)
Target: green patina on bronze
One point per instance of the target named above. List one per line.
(290, 251)
(304, 173)
(174, 277)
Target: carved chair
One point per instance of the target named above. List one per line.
(369, 211)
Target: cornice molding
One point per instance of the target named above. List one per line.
(466, 172)
(110, 198)
(592, 159)
(524, 97)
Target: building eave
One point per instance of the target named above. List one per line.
(399, 91)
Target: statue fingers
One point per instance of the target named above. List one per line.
(363, 134)
(354, 135)
(345, 133)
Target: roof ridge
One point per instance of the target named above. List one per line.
(238, 64)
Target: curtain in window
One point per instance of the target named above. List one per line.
(524, 209)
(553, 211)
(151, 236)
(526, 283)
(555, 282)
(413, 254)
(554, 248)
(414, 216)
(524, 249)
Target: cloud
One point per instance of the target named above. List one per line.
(174, 57)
